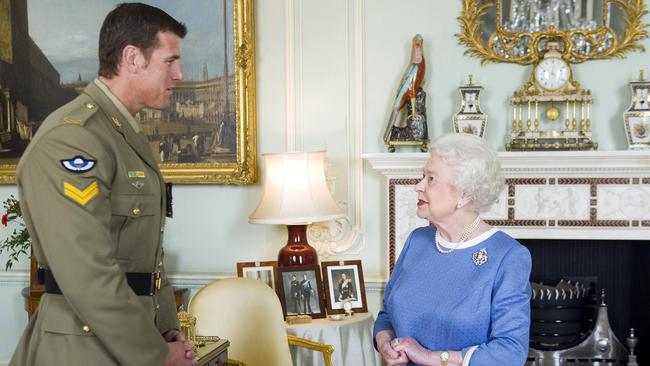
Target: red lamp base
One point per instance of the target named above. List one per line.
(297, 252)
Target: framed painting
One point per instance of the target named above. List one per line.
(299, 291)
(344, 283)
(208, 134)
(263, 271)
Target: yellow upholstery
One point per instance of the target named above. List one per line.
(248, 313)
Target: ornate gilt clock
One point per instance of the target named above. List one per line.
(470, 119)
(564, 122)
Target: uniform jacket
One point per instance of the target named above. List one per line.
(92, 198)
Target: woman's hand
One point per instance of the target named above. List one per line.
(413, 350)
(392, 357)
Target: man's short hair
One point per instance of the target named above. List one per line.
(133, 24)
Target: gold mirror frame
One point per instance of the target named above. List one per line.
(501, 44)
(244, 169)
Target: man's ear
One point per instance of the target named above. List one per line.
(132, 59)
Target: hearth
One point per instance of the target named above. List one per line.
(569, 326)
(619, 269)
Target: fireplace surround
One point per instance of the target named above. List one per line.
(580, 213)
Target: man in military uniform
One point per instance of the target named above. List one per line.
(92, 197)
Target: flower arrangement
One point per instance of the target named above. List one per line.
(18, 242)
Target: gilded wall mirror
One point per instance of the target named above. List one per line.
(518, 31)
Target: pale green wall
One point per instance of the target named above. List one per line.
(210, 232)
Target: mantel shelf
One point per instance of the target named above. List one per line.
(550, 194)
(603, 163)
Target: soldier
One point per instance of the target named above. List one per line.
(107, 298)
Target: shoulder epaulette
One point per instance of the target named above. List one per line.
(80, 113)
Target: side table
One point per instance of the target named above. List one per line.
(351, 338)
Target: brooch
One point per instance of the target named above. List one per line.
(480, 257)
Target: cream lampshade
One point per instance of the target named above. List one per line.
(295, 194)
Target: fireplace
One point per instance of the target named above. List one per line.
(621, 269)
(580, 213)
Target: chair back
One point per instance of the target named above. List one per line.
(246, 312)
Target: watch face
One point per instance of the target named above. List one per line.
(552, 73)
(444, 356)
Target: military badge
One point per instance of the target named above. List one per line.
(78, 164)
(480, 257)
(136, 174)
(81, 196)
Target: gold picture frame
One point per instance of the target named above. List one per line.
(239, 167)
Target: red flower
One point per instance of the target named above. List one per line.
(4, 219)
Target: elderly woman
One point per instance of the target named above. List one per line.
(460, 291)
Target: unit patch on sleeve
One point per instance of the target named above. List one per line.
(81, 196)
(78, 164)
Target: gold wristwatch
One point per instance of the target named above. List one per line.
(444, 357)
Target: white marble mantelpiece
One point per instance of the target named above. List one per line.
(550, 195)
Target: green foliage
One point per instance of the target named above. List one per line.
(18, 242)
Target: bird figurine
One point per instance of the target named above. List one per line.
(408, 88)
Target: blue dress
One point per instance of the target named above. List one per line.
(447, 302)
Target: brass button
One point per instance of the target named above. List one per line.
(90, 106)
(86, 329)
(136, 211)
(157, 306)
(160, 264)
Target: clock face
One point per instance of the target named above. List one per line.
(347, 305)
(552, 73)
(470, 103)
(642, 100)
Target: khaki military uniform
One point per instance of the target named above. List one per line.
(89, 227)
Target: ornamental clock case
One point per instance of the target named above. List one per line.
(564, 122)
(637, 116)
(470, 119)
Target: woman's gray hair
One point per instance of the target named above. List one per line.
(474, 166)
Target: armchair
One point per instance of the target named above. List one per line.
(248, 313)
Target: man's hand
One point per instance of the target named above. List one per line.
(177, 355)
(175, 336)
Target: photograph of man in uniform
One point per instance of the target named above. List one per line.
(345, 287)
(305, 294)
(295, 294)
(107, 299)
(300, 292)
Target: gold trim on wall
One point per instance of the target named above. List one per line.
(244, 169)
(6, 50)
(604, 41)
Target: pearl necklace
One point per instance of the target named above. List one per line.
(466, 233)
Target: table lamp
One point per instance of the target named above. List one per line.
(295, 194)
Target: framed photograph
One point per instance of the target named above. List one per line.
(206, 136)
(471, 124)
(344, 282)
(263, 271)
(300, 291)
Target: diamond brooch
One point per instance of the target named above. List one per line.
(480, 257)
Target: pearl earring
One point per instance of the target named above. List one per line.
(458, 205)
